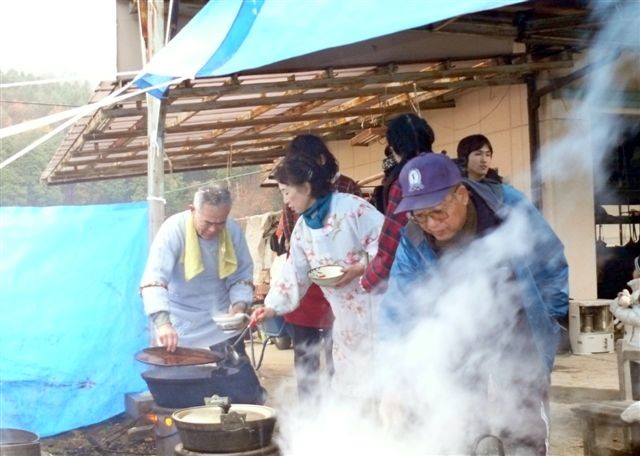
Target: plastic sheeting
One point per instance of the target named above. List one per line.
(71, 318)
(228, 36)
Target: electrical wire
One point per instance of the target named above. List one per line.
(479, 121)
(212, 181)
(38, 103)
(9, 85)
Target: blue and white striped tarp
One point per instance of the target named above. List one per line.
(229, 36)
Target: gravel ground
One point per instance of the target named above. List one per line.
(106, 438)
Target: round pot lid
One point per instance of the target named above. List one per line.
(11, 436)
(183, 356)
(210, 414)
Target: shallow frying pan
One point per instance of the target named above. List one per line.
(159, 356)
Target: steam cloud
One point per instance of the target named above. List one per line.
(460, 315)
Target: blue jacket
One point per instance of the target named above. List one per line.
(542, 274)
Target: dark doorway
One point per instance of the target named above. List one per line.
(618, 206)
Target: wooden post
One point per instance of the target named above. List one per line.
(152, 27)
(155, 163)
(151, 16)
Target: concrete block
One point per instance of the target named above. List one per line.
(138, 404)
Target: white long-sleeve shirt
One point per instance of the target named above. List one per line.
(192, 304)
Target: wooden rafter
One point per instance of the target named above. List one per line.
(249, 118)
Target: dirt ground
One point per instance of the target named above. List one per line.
(575, 380)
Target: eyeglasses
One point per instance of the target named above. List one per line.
(438, 215)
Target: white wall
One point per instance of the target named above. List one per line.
(129, 47)
(500, 113)
(359, 162)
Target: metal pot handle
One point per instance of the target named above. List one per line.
(230, 421)
(497, 441)
(233, 421)
(218, 401)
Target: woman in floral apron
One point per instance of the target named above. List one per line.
(333, 229)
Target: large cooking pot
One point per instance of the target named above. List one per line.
(187, 386)
(215, 429)
(17, 442)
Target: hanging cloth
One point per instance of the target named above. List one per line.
(315, 215)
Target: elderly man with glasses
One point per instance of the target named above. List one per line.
(199, 267)
(478, 264)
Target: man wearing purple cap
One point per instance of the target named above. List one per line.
(479, 259)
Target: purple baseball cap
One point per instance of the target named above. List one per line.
(425, 181)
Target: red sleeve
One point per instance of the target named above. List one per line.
(345, 184)
(314, 310)
(378, 269)
(354, 188)
(289, 221)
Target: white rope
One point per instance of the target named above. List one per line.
(156, 198)
(415, 96)
(77, 113)
(42, 121)
(169, 19)
(53, 118)
(80, 111)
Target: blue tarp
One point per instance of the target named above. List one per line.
(71, 319)
(228, 36)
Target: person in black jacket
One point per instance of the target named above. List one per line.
(380, 194)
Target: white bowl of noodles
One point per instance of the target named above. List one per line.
(326, 276)
(231, 322)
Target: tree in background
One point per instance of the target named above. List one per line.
(20, 183)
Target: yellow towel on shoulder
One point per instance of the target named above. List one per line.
(192, 259)
(193, 265)
(227, 261)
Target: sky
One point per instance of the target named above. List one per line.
(70, 38)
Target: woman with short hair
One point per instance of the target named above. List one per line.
(312, 321)
(408, 135)
(333, 229)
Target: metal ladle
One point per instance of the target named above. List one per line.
(230, 351)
